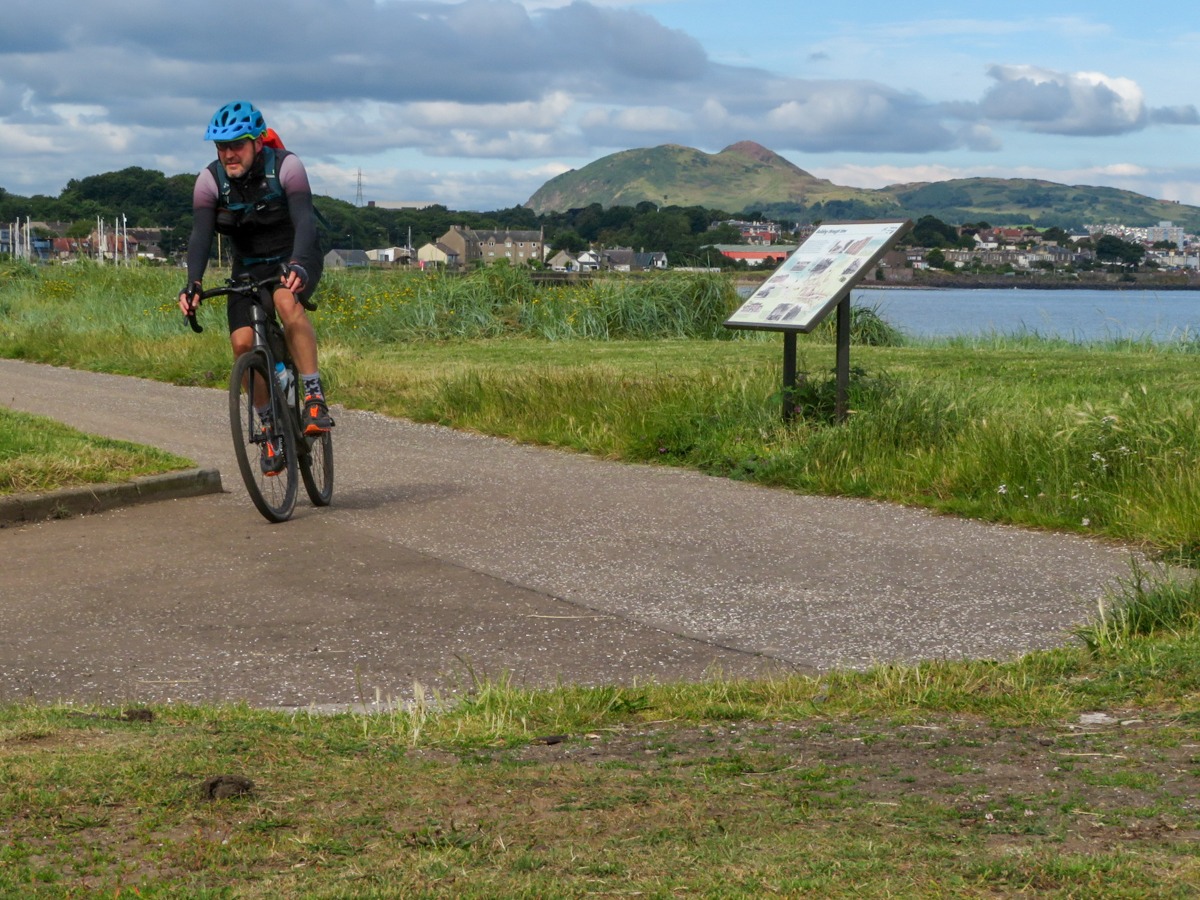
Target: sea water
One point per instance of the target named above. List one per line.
(1076, 314)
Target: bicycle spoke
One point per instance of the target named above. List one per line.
(251, 385)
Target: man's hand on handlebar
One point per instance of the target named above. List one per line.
(189, 299)
(294, 278)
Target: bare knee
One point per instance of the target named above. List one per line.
(242, 341)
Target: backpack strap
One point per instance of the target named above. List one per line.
(272, 174)
(274, 191)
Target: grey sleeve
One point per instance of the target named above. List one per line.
(294, 180)
(204, 220)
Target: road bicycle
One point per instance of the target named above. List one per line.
(265, 378)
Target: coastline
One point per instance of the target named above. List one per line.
(1035, 284)
(969, 282)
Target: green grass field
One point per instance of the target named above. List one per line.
(39, 455)
(1070, 773)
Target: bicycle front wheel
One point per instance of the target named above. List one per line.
(316, 468)
(270, 485)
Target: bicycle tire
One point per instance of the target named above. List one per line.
(316, 468)
(273, 495)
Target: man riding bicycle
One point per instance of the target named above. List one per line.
(259, 197)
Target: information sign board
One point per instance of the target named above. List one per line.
(822, 270)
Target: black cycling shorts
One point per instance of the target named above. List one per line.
(239, 305)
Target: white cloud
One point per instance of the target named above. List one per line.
(1118, 170)
(979, 137)
(544, 112)
(660, 120)
(16, 139)
(837, 109)
(1069, 103)
(507, 145)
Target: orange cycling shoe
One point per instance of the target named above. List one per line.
(316, 418)
(271, 459)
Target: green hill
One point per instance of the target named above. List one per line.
(740, 177)
(747, 176)
(1019, 200)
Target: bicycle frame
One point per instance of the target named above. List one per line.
(310, 456)
(262, 324)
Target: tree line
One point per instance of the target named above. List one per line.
(150, 199)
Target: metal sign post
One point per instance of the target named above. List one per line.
(812, 282)
(789, 375)
(842, 402)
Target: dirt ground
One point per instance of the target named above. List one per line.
(1087, 786)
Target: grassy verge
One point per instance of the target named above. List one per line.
(38, 454)
(1100, 439)
(1069, 773)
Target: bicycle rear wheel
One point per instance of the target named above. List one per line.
(316, 468)
(273, 494)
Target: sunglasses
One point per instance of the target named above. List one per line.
(232, 145)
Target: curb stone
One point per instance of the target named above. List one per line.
(18, 508)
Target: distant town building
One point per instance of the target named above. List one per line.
(396, 256)
(755, 232)
(623, 259)
(752, 255)
(619, 259)
(346, 259)
(438, 255)
(487, 247)
(1163, 231)
(1166, 231)
(562, 261)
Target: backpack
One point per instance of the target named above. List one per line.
(271, 143)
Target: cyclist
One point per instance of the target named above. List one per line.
(260, 198)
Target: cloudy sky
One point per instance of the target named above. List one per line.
(475, 104)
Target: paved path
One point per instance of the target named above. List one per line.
(448, 556)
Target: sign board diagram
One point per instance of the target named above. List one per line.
(811, 281)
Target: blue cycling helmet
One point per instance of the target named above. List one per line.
(235, 120)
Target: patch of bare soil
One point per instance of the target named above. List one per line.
(1088, 784)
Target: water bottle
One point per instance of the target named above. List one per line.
(284, 375)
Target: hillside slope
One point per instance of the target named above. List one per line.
(742, 176)
(747, 176)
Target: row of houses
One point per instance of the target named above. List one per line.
(458, 248)
(466, 247)
(619, 259)
(756, 232)
(120, 246)
(462, 248)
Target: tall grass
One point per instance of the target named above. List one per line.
(502, 299)
(1148, 603)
